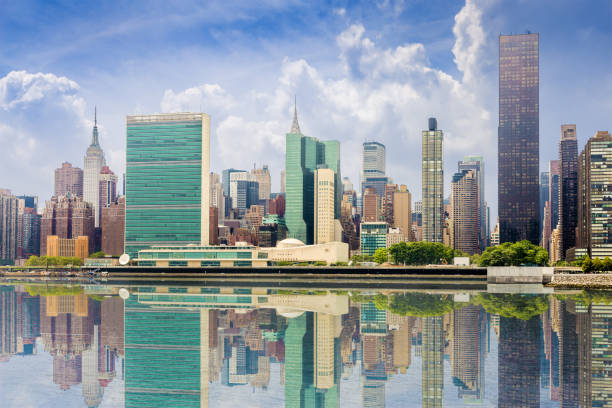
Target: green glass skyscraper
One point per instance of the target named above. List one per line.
(305, 154)
(167, 180)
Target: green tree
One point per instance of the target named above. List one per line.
(607, 264)
(514, 254)
(597, 265)
(99, 254)
(381, 255)
(587, 265)
(522, 307)
(419, 304)
(422, 253)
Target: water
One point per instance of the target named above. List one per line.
(236, 346)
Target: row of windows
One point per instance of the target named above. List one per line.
(196, 255)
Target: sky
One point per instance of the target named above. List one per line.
(371, 70)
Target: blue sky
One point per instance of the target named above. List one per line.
(372, 70)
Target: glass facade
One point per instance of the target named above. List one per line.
(568, 192)
(164, 183)
(518, 138)
(303, 156)
(432, 183)
(161, 368)
(373, 236)
(595, 196)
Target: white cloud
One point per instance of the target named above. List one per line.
(383, 94)
(206, 97)
(21, 88)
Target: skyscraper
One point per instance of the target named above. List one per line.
(324, 189)
(304, 155)
(464, 225)
(402, 211)
(594, 185)
(107, 189)
(432, 183)
(68, 179)
(371, 206)
(568, 187)
(373, 160)
(476, 163)
(262, 176)
(113, 227)
(519, 363)
(94, 161)
(518, 149)
(8, 226)
(433, 362)
(544, 193)
(554, 174)
(167, 180)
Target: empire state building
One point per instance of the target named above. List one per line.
(94, 160)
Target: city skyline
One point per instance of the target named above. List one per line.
(62, 98)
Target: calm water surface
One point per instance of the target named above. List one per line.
(202, 346)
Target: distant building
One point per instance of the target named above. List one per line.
(217, 198)
(494, 240)
(282, 182)
(518, 138)
(71, 247)
(9, 222)
(28, 229)
(168, 167)
(387, 203)
(304, 155)
(371, 206)
(94, 161)
(395, 236)
(594, 186)
(402, 213)
(113, 226)
(373, 236)
(544, 193)
(476, 163)
(67, 217)
(68, 179)
(276, 205)
(373, 160)
(324, 196)
(263, 178)
(432, 183)
(568, 187)
(213, 225)
(554, 174)
(464, 219)
(346, 185)
(108, 189)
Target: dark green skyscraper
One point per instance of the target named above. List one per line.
(305, 154)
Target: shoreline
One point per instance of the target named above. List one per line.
(582, 281)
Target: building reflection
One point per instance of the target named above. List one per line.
(178, 346)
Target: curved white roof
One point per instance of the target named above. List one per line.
(290, 243)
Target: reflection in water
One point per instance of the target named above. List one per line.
(191, 346)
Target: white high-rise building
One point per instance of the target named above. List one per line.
(324, 194)
(373, 160)
(94, 161)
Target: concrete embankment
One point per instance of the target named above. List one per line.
(582, 280)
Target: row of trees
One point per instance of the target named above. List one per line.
(418, 304)
(45, 261)
(522, 253)
(422, 253)
(596, 265)
(434, 253)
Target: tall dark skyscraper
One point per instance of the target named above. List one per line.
(568, 187)
(518, 143)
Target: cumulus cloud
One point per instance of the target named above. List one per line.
(212, 96)
(20, 88)
(384, 94)
(42, 123)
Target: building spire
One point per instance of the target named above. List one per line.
(94, 136)
(295, 126)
